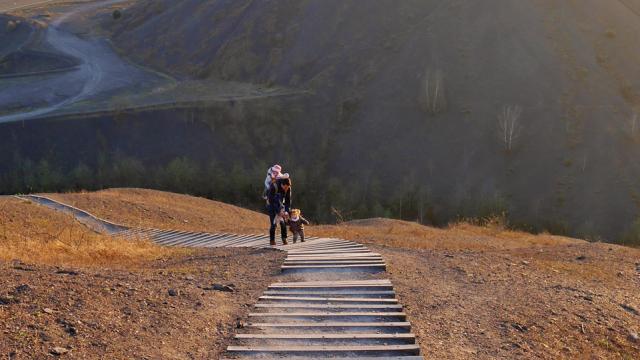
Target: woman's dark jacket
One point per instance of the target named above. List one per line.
(278, 198)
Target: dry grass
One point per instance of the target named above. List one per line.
(460, 236)
(157, 209)
(164, 210)
(37, 235)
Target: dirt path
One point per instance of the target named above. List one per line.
(9, 5)
(164, 310)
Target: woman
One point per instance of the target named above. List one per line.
(279, 197)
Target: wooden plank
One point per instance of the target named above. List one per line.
(312, 245)
(298, 267)
(320, 252)
(189, 240)
(379, 259)
(321, 348)
(325, 336)
(328, 299)
(330, 286)
(334, 255)
(199, 241)
(329, 247)
(331, 314)
(332, 262)
(209, 237)
(315, 357)
(399, 324)
(361, 307)
(165, 234)
(168, 241)
(332, 293)
(336, 282)
(231, 240)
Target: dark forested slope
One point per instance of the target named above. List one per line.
(425, 109)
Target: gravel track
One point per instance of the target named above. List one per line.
(101, 70)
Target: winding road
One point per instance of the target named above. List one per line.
(10, 5)
(100, 71)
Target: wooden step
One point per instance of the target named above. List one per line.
(306, 306)
(331, 262)
(333, 255)
(332, 324)
(302, 357)
(351, 349)
(380, 266)
(326, 336)
(398, 315)
(329, 299)
(328, 248)
(325, 339)
(336, 282)
(360, 294)
(332, 286)
(336, 252)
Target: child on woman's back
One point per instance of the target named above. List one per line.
(296, 224)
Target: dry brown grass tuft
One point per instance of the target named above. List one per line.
(35, 234)
(460, 236)
(165, 210)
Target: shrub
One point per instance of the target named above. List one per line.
(632, 236)
(117, 14)
(11, 25)
(434, 99)
(610, 33)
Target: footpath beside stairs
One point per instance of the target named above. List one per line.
(343, 312)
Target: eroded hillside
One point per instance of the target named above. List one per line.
(568, 65)
(428, 110)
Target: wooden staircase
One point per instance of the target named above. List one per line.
(351, 318)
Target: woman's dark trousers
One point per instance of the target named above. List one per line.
(272, 229)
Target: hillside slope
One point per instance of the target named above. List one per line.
(400, 118)
(570, 66)
(471, 292)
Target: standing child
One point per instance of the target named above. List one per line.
(296, 224)
(272, 175)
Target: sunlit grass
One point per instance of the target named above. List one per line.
(36, 235)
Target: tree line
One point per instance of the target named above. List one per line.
(322, 199)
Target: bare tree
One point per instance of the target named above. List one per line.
(434, 99)
(509, 126)
(633, 127)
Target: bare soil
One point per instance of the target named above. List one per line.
(103, 313)
(487, 292)
(563, 302)
(63, 286)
